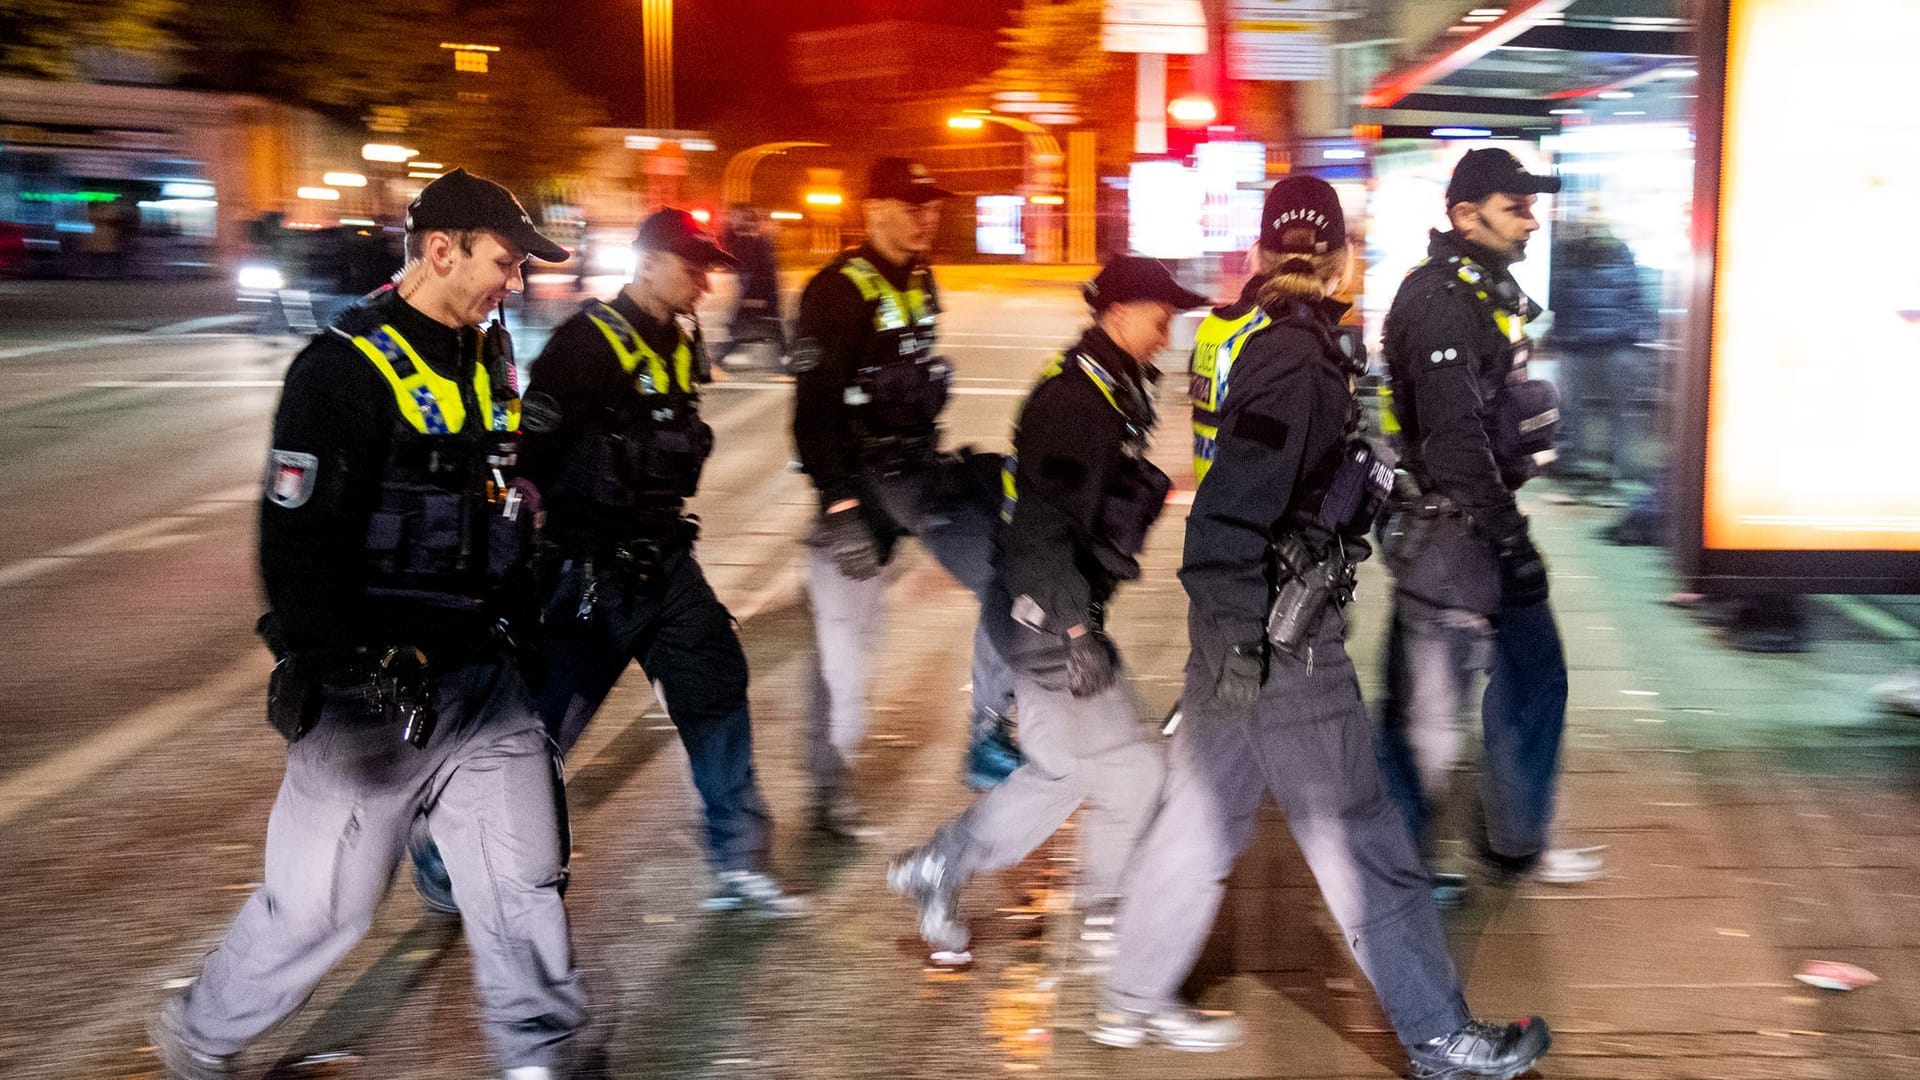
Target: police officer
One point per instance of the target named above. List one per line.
(391, 525)
(869, 393)
(1286, 487)
(1470, 587)
(616, 443)
(1079, 497)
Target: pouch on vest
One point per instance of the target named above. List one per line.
(1355, 492)
(1527, 417)
(905, 394)
(1132, 503)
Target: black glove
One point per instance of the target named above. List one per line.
(1092, 664)
(849, 540)
(1523, 573)
(1242, 672)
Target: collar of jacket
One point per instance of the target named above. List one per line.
(1445, 245)
(662, 338)
(440, 345)
(900, 277)
(1135, 378)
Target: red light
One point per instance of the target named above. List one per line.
(1193, 111)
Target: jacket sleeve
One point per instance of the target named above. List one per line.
(313, 526)
(1272, 424)
(829, 335)
(1066, 441)
(569, 383)
(1447, 345)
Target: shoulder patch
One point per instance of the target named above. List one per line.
(539, 413)
(290, 478)
(806, 355)
(1269, 431)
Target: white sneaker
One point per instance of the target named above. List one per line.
(1900, 694)
(1570, 866)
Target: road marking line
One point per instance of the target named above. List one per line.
(62, 346)
(184, 384)
(54, 776)
(740, 384)
(26, 569)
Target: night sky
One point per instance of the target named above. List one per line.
(730, 65)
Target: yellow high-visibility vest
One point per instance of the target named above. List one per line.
(896, 310)
(1216, 345)
(430, 402)
(637, 358)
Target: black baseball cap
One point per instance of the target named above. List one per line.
(1302, 216)
(675, 230)
(1490, 170)
(460, 200)
(898, 178)
(1130, 278)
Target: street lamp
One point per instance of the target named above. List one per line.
(737, 182)
(1043, 160)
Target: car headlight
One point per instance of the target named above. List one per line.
(262, 277)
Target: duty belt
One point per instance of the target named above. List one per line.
(890, 454)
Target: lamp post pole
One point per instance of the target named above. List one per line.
(657, 59)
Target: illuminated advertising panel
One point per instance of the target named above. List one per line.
(1805, 372)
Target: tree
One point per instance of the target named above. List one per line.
(48, 39)
(1053, 49)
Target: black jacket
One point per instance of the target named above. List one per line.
(833, 334)
(338, 409)
(1071, 447)
(576, 391)
(1446, 362)
(1285, 420)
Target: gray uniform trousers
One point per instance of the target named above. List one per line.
(1308, 741)
(849, 618)
(1094, 750)
(489, 789)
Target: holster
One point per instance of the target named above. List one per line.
(1437, 556)
(295, 696)
(1309, 578)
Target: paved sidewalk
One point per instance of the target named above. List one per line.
(1758, 814)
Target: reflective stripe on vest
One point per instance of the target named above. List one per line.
(430, 402)
(1010, 464)
(633, 351)
(895, 310)
(1216, 345)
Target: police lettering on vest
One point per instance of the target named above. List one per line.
(899, 385)
(447, 526)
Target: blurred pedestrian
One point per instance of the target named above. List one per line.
(1287, 490)
(391, 530)
(1470, 587)
(756, 314)
(616, 443)
(869, 394)
(1080, 496)
(1601, 311)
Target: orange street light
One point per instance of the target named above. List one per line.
(1192, 111)
(824, 198)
